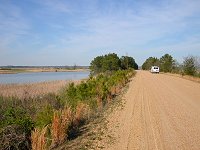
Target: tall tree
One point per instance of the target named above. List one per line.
(128, 62)
(111, 62)
(96, 65)
(166, 63)
(151, 61)
(189, 66)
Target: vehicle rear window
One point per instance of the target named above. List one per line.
(155, 67)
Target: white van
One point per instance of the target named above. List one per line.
(155, 69)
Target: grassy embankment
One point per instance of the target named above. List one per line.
(44, 122)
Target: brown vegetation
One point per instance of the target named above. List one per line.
(38, 139)
(32, 90)
(191, 78)
(60, 123)
(82, 112)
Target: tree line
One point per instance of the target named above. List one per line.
(190, 65)
(111, 62)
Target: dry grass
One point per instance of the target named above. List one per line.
(38, 139)
(60, 123)
(99, 103)
(191, 78)
(196, 79)
(55, 128)
(65, 120)
(82, 113)
(32, 90)
(62, 119)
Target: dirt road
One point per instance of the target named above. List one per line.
(160, 112)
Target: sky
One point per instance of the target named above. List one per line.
(68, 32)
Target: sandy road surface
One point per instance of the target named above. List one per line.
(161, 112)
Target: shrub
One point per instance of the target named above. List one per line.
(69, 95)
(44, 117)
(16, 128)
(13, 137)
(18, 116)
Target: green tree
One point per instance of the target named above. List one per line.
(167, 63)
(128, 62)
(151, 61)
(177, 67)
(189, 66)
(109, 62)
(96, 65)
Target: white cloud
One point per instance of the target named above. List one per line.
(150, 23)
(139, 28)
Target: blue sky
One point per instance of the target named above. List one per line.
(68, 32)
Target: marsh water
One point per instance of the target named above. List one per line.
(41, 77)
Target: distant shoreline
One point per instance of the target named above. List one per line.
(31, 70)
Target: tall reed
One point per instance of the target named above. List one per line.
(60, 124)
(38, 139)
(82, 113)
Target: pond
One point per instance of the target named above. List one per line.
(41, 77)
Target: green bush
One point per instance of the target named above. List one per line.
(44, 117)
(99, 87)
(69, 95)
(17, 116)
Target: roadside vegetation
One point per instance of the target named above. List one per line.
(45, 122)
(190, 65)
(111, 62)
